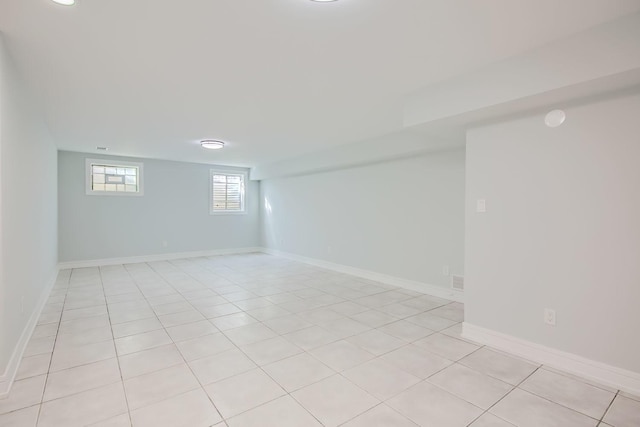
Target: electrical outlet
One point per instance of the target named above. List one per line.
(445, 270)
(481, 205)
(550, 317)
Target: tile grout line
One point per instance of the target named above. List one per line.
(340, 373)
(543, 397)
(182, 293)
(575, 377)
(188, 270)
(85, 364)
(287, 393)
(378, 405)
(115, 350)
(163, 328)
(179, 352)
(257, 367)
(503, 397)
(560, 404)
(44, 389)
(219, 331)
(608, 407)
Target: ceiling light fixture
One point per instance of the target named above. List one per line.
(65, 2)
(555, 118)
(212, 144)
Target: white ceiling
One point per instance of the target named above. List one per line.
(273, 78)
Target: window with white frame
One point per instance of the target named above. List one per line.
(113, 178)
(227, 192)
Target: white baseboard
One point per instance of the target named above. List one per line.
(154, 258)
(9, 375)
(434, 290)
(620, 379)
(7, 378)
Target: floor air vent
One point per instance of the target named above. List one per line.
(457, 282)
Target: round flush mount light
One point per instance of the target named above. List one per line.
(555, 118)
(65, 2)
(212, 144)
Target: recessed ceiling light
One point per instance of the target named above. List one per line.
(555, 118)
(65, 2)
(212, 144)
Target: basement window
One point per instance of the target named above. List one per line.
(113, 179)
(227, 192)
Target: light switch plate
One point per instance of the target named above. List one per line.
(481, 205)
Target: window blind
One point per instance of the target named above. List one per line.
(228, 192)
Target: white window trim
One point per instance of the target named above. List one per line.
(89, 190)
(245, 178)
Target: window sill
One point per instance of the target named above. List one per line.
(227, 213)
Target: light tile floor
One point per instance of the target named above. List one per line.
(256, 340)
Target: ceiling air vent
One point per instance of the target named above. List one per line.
(457, 282)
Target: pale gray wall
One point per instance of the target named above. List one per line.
(403, 218)
(28, 209)
(174, 208)
(561, 231)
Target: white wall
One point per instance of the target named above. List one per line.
(28, 211)
(583, 59)
(174, 208)
(403, 218)
(561, 231)
(403, 144)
